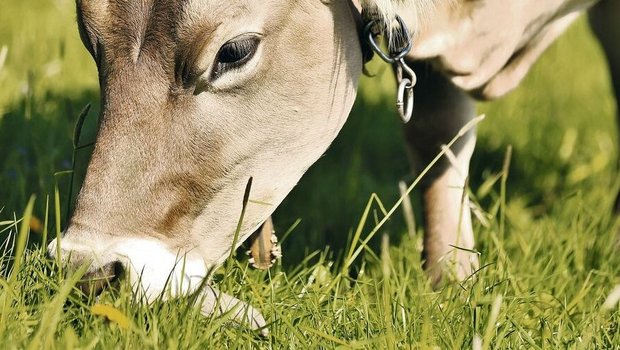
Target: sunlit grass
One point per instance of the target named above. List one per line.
(543, 292)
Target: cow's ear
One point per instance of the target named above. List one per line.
(264, 247)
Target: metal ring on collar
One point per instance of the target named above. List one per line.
(405, 103)
(389, 57)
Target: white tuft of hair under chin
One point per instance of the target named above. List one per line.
(156, 271)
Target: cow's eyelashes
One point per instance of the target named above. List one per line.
(234, 54)
(236, 51)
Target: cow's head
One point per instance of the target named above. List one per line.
(197, 97)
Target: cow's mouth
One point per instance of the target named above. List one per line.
(100, 278)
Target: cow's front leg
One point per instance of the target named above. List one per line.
(440, 111)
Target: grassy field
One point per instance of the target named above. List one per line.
(548, 242)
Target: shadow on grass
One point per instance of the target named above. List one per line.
(367, 157)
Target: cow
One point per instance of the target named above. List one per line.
(201, 98)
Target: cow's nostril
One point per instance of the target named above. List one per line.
(97, 279)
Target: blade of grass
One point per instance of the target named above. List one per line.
(49, 320)
(45, 223)
(244, 205)
(21, 240)
(488, 332)
(504, 180)
(58, 228)
(407, 209)
(460, 134)
(77, 131)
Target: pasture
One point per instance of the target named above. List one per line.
(543, 181)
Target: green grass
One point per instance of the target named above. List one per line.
(546, 273)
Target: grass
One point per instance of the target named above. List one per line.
(544, 230)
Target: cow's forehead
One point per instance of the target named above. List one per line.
(213, 10)
(217, 21)
(143, 15)
(159, 28)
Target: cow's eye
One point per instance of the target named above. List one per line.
(235, 54)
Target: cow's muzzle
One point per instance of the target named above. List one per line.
(99, 275)
(153, 271)
(95, 280)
